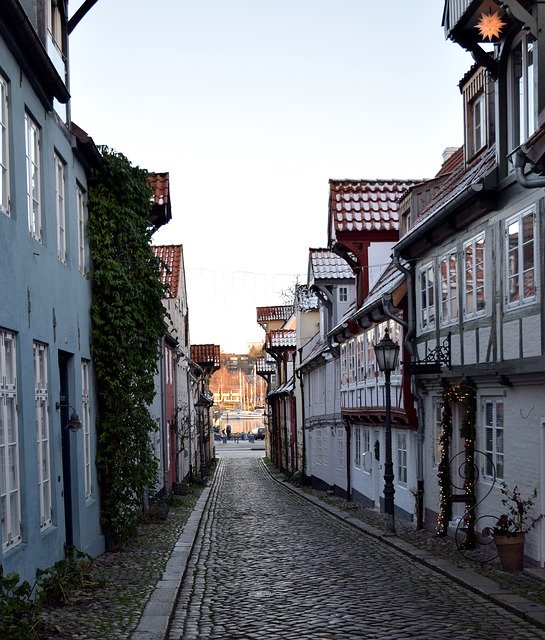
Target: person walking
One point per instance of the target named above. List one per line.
(223, 436)
(228, 432)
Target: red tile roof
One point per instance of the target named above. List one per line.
(366, 205)
(452, 163)
(171, 257)
(161, 211)
(206, 355)
(267, 314)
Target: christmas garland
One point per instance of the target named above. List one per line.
(463, 393)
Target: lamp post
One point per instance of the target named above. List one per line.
(387, 353)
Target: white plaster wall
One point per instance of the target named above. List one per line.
(470, 347)
(511, 340)
(379, 257)
(531, 332)
(484, 339)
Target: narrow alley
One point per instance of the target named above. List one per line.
(269, 564)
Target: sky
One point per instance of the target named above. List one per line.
(252, 106)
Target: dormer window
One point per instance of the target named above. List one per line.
(54, 24)
(343, 294)
(476, 90)
(521, 91)
(478, 125)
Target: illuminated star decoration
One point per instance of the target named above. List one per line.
(490, 25)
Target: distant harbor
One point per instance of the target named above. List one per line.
(241, 414)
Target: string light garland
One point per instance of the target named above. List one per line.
(463, 393)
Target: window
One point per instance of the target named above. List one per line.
(521, 92)
(493, 438)
(520, 258)
(10, 489)
(448, 273)
(352, 361)
(360, 357)
(41, 402)
(54, 23)
(427, 302)
(357, 447)
(402, 457)
(60, 179)
(343, 294)
(474, 301)
(339, 439)
(86, 427)
(344, 364)
(366, 441)
(32, 138)
(82, 221)
(4, 147)
(478, 123)
(437, 430)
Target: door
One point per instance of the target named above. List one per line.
(64, 416)
(457, 464)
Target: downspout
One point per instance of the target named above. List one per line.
(411, 348)
(302, 390)
(519, 162)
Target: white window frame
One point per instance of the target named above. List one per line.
(43, 444)
(357, 447)
(516, 270)
(86, 428)
(10, 482)
(54, 23)
(426, 297)
(493, 437)
(521, 108)
(478, 123)
(341, 452)
(4, 147)
(471, 267)
(60, 206)
(402, 468)
(33, 166)
(344, 364)
(449, 304)
(82, 222)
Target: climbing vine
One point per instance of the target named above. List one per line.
(464, 393)
(127, 324)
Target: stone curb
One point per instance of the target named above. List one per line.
(155, 620)
(530, 611)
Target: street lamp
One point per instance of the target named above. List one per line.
(387, 353)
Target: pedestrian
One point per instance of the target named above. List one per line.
(236, 437)
(223, 436)
(228, 432)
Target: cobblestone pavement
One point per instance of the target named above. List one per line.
(267, 564)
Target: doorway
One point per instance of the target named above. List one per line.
(65, 360)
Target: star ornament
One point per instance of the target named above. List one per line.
(490, 25)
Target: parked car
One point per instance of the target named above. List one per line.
(259, 433)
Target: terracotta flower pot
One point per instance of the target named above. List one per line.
(510, 551)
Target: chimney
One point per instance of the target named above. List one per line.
(447, 153)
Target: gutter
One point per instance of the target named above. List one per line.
(519, 162)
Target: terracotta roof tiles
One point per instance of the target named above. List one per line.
(267, 314)
(366, 205)
(327, 265)
(171, 257)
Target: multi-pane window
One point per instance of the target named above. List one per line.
(343, 294)
(10, 485)
(437, 430)
(60, 205)
(474, 300)
(360, 357)
(339, 439)
(448, 274)
(82, 221)
(344, 363)
(493, 437)
(357, 447)
(41, 401)
(86, 427)
(54, 23)
(478, 122)
(366, 441)
(319, 454)
(4, 147)
(352, 361)
(402, 457)
(427, 301)
(520, 258)
(32, 140)
(521, 92)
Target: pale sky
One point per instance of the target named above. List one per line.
(251, 106)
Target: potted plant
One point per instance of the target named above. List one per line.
(512, 526)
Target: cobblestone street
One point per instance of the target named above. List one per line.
(269, 564)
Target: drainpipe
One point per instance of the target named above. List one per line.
(519, 162)
(411, 348)
(302, 389)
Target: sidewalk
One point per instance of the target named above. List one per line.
(523, 594)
